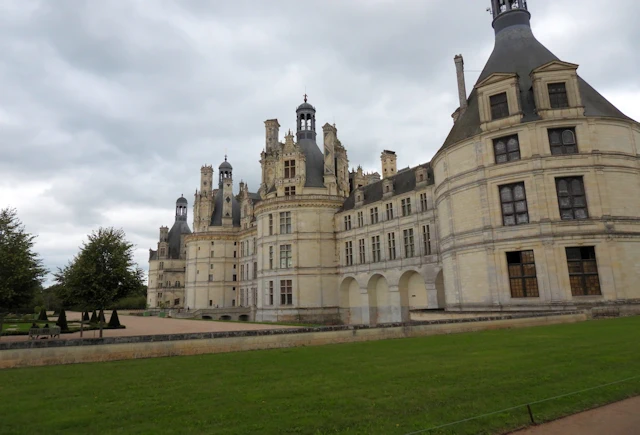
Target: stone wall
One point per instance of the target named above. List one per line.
(52, 352)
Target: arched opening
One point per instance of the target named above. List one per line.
(440, 290)
(225, 317)
(379, 307)
(206, 317)
(413, 293)
(243, 318)
(350, 302)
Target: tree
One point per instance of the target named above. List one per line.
(62, 321)
(114, 321)
(94, 317)
(101, 318)
(21, 271)
(85, 316)
(43, 315)
(103, 271)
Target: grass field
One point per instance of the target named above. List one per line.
(384, 387)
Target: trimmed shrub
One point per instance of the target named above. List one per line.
(43, 315)
(85, 316)
(114, 322)
(130, 303)
(94, 317)
(62, 321)
(36, 310)
(101, 317)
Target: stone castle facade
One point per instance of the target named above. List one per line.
(531, 204)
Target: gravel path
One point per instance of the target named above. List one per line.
(138, 325)
(620, 418)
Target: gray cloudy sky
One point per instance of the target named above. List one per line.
(108, 109)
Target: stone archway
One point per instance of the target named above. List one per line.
(413, 293)
(350, 302)
(380, 310)
(442, 303)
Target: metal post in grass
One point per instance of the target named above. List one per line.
(531, 414)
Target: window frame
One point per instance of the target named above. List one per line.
(285, 222)
(587, 255)
(375, 217)
(507, 154)
(391, 245)
(571, 196)
(286, 292)
(515, 213)
(389, 210)
(499, 109)
(289, 169)
(558, 98)
(526, 262)
(348, 253)
(566, 146)
(287, 259)
(426, 239)
(405, 204)
(376, 255)
(362, 250)
(409, 243)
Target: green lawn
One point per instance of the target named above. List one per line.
(384, 387)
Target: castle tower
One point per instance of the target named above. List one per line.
(206, 180)
(181, 209)
(499, 7)
(389, 163)
(163, 243)
(306, 121)
(226, 185)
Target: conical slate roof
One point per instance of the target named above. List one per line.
(518, 51)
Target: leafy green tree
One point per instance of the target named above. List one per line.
(114, 321)
(103, 271)
(21, 271)
(62, 321)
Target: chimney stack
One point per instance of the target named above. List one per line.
(462, 88)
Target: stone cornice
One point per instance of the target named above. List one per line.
(299, 201)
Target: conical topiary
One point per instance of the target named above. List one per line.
(43, 315)
(114, 322)
(94, 317)
(101, 317)
(62, 321)
(85, 316)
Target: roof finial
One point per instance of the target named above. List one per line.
(225, 157)
(305, 97)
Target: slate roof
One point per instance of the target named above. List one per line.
(518, 51)
(179, 228)
(216, 217)
(403, 182)
(314, 163)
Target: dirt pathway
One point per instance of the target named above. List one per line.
(620, 418)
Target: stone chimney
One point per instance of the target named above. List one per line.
(462, 88)
(389, 164)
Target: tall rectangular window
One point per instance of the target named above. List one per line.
(571, 198)
(347, 222)
(361, 250)
(514, 204)
(374, 215)
(558, 95)
(389, 207)
(409, 247)
(583, 271)
(406, 206)
(241, 272)
(289, 169)
(286, 292)
(426, 239)
(348, 253)
(360, 219)
(210, 277)
(242, 249)
(255, 269)
(285, 222)
(506, 149)
(285, 257)
(270, 292)
(289, 190)
(270, 257)
(522, 274)
(423, 202)
(375, 249)
(391, 244)
(499, 106)
(563, 141)
(270, 224)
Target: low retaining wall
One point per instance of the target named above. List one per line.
(51, 352)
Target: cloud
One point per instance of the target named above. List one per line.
(108, 109)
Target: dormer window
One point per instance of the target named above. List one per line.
(289, 190)
(499, 106)
(289, 169)
(558, 95)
